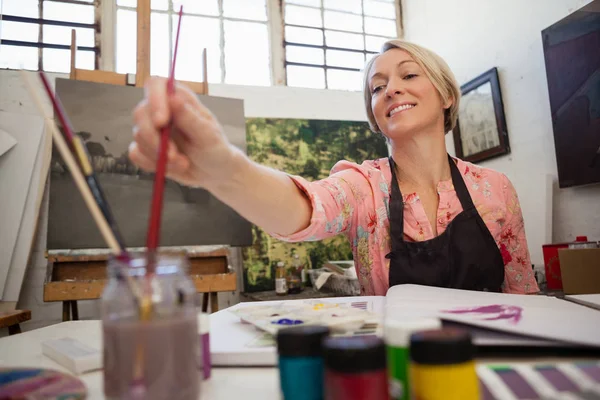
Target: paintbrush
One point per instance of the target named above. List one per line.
(159, 178)
(80, 150)
(138, 388)
(76, 173)
(85, 191)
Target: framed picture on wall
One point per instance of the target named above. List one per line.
(480, 132)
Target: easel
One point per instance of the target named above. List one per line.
(81, 275)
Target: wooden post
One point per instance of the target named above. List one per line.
(73, 53)
(142, 71)
(204, 72)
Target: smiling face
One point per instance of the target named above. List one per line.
(403, 99)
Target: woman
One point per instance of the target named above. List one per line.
(418, 216)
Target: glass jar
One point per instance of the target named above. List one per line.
(153, 355)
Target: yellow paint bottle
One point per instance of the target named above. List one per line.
(443, 366)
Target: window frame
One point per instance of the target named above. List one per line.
(324, 46)
(41, 22)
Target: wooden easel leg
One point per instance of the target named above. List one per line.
(214, 302)
(205, 302)
(66, 311)
(74, 310)
(14, 329)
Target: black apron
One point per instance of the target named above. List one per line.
(464, 256)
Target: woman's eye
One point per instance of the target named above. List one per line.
(410, 76)
(377, 88)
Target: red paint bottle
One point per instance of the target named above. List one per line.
(355, 368)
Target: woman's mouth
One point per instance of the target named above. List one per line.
(401, 108)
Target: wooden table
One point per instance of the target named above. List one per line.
(73, 276)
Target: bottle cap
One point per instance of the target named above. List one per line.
(301, 341)
(280, 264)
(581, 238)
(441, 346)
(354, 354)
(397, 332)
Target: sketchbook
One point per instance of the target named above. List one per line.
(242, 335)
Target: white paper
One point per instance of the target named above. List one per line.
(27, 230)
(16, 169)
(591, 300)
(7, 142)
(534, 316)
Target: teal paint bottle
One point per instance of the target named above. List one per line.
(397, 340)
(300, 361)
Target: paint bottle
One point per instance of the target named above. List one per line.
(355, 368)
(204, 320)
(443, 366)
(280, 282)
(397, 340)
(300, 361)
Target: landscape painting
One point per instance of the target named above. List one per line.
(480, 131)
(308, 148)
(102, 115)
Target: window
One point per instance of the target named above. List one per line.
(36, 34)
(328, 42)
(234, 32)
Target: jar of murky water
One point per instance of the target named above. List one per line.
(150, 330)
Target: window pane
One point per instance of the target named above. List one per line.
(368, 57)
(303, 35)
(343, 5)
(204, 7)
(345, 40)
(17, 57)
(127, 3)
(126, 45)
(198, 33)
(304, 55)
(58, 60)
(374, 43)
(21, 8)
(62, 35)
(160, 60)
(344, 80)
(343, 21)
(312, 3)
(379, 9)
(245, 9)
(348, 59)
(160, 5)
(303, 16)
(378, 26)
(20, 31)
(69, 12)
(308, 77)
(247, 53)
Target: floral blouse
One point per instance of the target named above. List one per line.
(354, 201)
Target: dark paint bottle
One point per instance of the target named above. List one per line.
(355, 368)
(301, 361)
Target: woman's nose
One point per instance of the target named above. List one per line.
(393, 88)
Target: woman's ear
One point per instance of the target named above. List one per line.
(449, 103)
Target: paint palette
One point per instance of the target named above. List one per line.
(341, 318)
(543, 381)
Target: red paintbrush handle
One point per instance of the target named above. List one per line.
(159, 184)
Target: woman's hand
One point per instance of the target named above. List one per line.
(199, 153)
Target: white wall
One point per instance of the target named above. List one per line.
(476, 35)
(275, 102)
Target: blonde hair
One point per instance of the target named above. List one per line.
(436, 69)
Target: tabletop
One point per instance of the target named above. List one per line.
(24, 350)
(250, 383)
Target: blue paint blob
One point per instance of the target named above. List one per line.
(286, 321)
